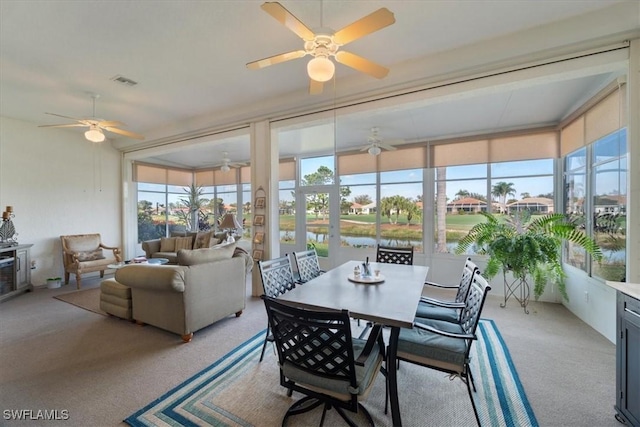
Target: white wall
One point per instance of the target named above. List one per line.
(58, 183)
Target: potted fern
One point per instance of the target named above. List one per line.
(530, 249)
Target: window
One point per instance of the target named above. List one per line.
(401, 208)
(358, 212)
(460, 196)
(152, 211)
(287, 201)
(317, 171)
(287, 211)
(504, 188)
(575, 187)
(595, 182)
(503, 173)
(610, 204)
(166, 198)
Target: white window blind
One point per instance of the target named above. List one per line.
(161, 175)
(604, 117)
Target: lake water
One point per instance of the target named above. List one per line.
(358, 241)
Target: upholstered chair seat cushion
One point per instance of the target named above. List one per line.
(364, 374)
(431, 348)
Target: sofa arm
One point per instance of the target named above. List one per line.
(167, 278)
(150, 247)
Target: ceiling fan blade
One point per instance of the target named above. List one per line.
(315, 87)
(64, 117)
(287, 19)
(373, 22)
(110, 123)
(366, 147)
(63, 126)
(361, 64)
(276, 59)
(394, 141)
(124, 132)
(386, 146)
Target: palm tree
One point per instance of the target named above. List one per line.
(362, 199)
(501, 190)
(394, 204)
(193, 203)
(462, 193)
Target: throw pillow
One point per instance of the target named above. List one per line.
(183, 243)
(168, 244)
(200, 256)
(90, 255)
(202, 239)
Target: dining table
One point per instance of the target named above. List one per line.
(389, 298)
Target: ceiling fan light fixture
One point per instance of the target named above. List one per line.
(321, 69)
(225, 168)
(374, 150)
(94, 134)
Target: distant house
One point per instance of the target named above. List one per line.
(532, 204)
(613, 203)
(355, 209)
(466, 204)
(358, 209)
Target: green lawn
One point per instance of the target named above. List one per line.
(364, 225)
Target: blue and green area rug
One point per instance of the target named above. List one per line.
(237, 390)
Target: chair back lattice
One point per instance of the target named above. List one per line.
(277, 277)
(318, 342)
(468, 271)
(307, 264)
(395, 255)
(470, 315)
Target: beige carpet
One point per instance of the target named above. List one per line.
(88, 299)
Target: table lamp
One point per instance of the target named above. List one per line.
(230, 223)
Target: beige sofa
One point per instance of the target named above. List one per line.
(168, 247)
(207, 285)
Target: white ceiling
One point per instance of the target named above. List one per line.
(189, 61)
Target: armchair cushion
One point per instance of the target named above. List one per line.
(183, 243)
(202, 239)
(90, 255)
(82, 242)
(168, 244)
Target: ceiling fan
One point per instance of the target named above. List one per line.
(326, 44)
(376, 145)
(95, 125)
(227, 164)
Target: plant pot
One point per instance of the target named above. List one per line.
(54, 283)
